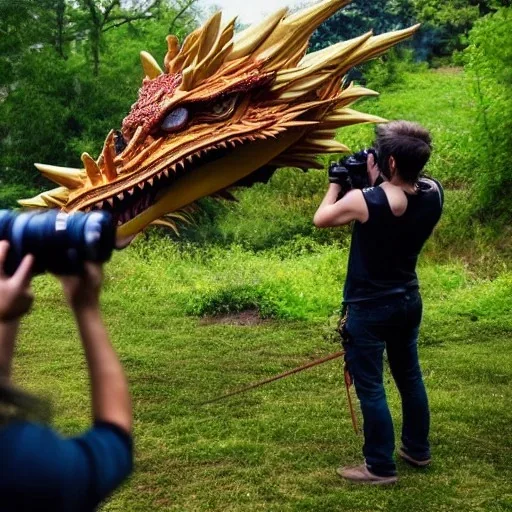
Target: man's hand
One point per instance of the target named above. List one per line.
(15, 294)
(373, 169)
(83, 292)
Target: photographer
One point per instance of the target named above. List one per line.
(392, 222)
(41, 470)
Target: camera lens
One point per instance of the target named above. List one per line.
(60, 242)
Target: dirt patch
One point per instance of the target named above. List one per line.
(449, 70)
(249, 317)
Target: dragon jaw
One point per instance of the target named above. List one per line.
(223, 109)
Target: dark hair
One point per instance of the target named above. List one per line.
(408, 143)
(16, 405)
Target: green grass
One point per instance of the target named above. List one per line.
(277, 448)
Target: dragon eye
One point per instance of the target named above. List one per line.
(175, 120)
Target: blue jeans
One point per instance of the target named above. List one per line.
(391, 323)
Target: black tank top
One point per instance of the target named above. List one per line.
(385, 249)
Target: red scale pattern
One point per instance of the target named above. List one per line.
(146, 111)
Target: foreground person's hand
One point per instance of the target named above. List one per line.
(15, 294)
(83, 291)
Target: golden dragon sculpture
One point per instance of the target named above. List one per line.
(225, 110)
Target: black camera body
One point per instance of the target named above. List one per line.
(60, 242)
(351, 172)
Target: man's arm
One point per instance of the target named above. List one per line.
(331, 212)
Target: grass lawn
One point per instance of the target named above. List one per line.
(277, 448)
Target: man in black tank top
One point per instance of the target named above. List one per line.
(392, 222)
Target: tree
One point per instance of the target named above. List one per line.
(446, 23)
(54, 102)
(360, 17)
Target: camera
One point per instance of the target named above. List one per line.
(351, 172)
(60, 242)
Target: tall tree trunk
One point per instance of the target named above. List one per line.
(60, 9)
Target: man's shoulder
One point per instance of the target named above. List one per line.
(431, 186)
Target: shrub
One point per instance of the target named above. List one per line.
(389, 70)
(489, 65)
(10, 193)
(234, 299)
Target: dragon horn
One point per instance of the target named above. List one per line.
(64, 176)
(150, 65)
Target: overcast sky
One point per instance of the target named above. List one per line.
(250, 11)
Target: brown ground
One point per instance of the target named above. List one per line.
(249, 317)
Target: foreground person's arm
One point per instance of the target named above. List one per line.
(15, 300)
(109, 388)
(40, 469)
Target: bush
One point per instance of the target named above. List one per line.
(389, 70)
(9, 194)
(489, 65)
(234, 299)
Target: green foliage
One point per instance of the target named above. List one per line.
(359, 17)
(56, 103)
(445, 24)
(265, 216)
(234, 299)
(390, 69)
(10, 193)
(489, 65)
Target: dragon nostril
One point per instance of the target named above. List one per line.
(176, 120)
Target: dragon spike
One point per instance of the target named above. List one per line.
(347, 116)
(376, 46)
(150, 65)
(64, 176)
(209, 36)
(249, 40)
(217, 55)
(293, 32)
(332, 53)
(92, 169)
(316, 146)
(55, 198)
(173, 48)
(108, 155)
(353, 93)
(163, 221)
(187, 52)
(209, 43)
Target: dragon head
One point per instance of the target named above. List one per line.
(224, 111)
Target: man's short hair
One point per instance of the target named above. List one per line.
(408, 143)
